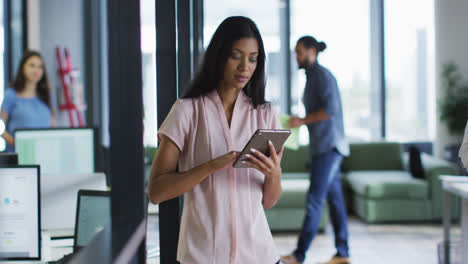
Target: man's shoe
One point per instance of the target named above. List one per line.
(290, 259)
(338, 260)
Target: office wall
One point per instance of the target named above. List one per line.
(61, 23)
(451, 43)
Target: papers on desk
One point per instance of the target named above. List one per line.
(293, 141)
(53, 249)
(455, 184)
(461, 187)
(453, 178)
(66, 242)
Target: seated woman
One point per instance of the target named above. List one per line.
(27, 103)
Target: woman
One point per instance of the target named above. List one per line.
(27, 103)
(223, 218)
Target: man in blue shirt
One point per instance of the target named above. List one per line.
(328, 146)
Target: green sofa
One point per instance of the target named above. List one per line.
(382, 189)
(288, 213)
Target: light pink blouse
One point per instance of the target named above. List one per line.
(223, 219)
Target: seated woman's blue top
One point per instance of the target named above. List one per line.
(24, 113)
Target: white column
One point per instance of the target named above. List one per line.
(33, 25)
(451, 43)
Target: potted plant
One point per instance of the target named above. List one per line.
(453, 105)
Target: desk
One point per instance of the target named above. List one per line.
(50, 250)
(456, 185)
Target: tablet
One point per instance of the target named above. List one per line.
(259, 141)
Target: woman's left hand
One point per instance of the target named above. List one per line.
(269, 166)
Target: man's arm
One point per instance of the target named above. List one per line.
(329, 98)
(317, 116)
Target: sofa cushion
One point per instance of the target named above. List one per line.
(392, 209)
(291, 219)
(294, 193)
(374, 156)
(387, 184)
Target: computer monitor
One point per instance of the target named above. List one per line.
(8, 158)
(57, 150)
(93, 213)
(20, 225)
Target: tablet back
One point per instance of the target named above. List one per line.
(259, 141)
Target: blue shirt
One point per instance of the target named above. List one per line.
(321, 92)
(24, 113)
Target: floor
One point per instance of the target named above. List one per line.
(369, 244)
(382, 243)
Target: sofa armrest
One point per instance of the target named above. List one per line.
(294, 175)
(295, 160)
(433, 168)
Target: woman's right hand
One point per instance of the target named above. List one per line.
(224, 161)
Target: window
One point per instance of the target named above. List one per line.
(150, 124)
(344, 26)
(409, 70)
(266, 14)
(148, 58)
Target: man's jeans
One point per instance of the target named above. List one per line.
(324, 183)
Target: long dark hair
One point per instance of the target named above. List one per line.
(42, 88)
(211, 69)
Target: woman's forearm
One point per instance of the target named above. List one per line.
(170, 185)
(271, 191)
